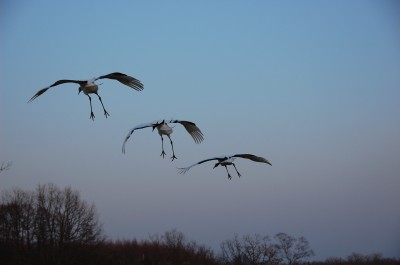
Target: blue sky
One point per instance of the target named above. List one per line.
(313, 86)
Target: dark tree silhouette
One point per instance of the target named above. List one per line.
(55, 226)
(46, 225)
(249, 250)
(63, 218)
(291, 249)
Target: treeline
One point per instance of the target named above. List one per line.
(55, 226)
(358, 259)
(170, 248)
(46, 226)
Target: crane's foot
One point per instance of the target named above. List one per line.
(163, 154)
(229, 176)
(106, 114)
(92, 116)
(173, 157)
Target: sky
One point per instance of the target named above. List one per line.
(312, 86)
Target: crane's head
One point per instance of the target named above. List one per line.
(155, 125)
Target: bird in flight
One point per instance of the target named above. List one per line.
(163, 129)
(225, 161)
(90, 87)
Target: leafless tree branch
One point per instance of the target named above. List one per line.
(5, 166)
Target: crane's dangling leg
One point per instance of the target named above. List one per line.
(91, 110)
(236, 169)
(105, 112)
(162, 147)
(229, 175)
(173, 152)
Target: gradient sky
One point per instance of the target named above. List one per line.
(313, 86)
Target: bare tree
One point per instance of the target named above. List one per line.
(17, 217)
(173, 238)
(64, 218)
(249, 250)
(232, 251)
(258, 250)
(49, 222)
(291, 249)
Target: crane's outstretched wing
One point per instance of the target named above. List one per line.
(192, 129)
(59, 82)
(124, 79)
(253, 157)
(141, 126)
(183, 170)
